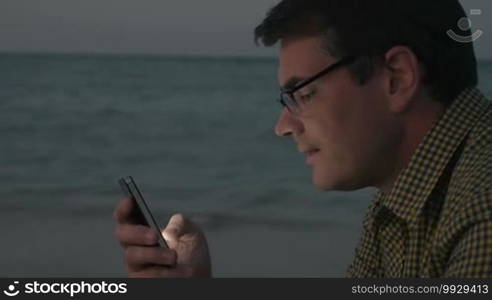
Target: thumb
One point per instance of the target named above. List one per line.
(175, 228)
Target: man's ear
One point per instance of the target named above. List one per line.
(403, 77)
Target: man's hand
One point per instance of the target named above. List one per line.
(188, 255)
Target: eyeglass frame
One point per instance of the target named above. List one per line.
(290, 91)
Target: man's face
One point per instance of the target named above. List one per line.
(350, 124)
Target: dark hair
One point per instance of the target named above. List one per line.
(369, 28)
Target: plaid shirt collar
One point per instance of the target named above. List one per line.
(415, 182)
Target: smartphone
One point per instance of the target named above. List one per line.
(141, 212)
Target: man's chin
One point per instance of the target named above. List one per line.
(326, 183)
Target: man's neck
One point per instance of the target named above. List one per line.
(417, 122)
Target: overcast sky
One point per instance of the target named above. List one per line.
(207, 27)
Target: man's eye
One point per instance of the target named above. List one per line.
(307, 96)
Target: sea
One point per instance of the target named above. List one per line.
(196, 133)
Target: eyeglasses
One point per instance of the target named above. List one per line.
(293, 101)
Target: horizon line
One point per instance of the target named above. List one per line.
(137, 54)
(155, 54)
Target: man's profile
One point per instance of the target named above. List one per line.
(376, 94)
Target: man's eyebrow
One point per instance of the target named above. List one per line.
(292, 82)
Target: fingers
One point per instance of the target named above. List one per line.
(158, 271)
(123, 211)
(144, 258)
(135, 235)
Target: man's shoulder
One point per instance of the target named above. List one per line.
(470, 187)
(476, 160)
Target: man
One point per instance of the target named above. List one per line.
(376, 94)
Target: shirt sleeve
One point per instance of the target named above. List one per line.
(472, 256)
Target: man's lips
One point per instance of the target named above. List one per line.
(307, 149)
(311, 155)
(311, 152)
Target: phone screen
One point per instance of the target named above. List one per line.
(141, 213)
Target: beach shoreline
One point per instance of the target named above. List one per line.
(41, 244)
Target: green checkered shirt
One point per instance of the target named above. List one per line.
(437, 219)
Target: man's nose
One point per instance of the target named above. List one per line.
(286, 124)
